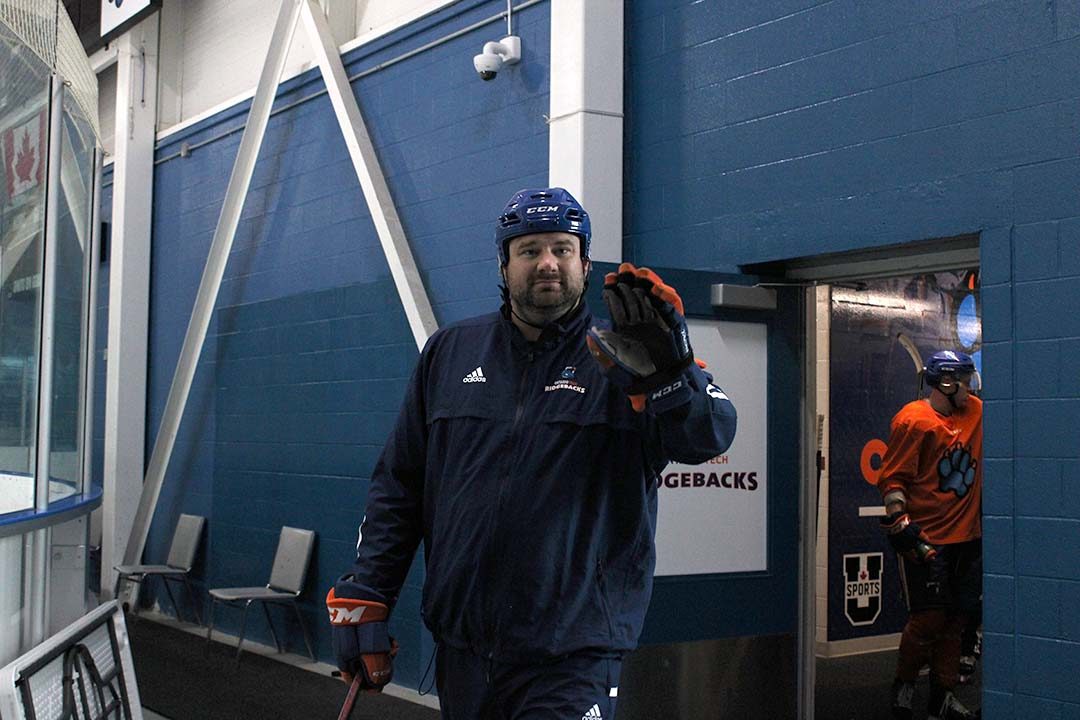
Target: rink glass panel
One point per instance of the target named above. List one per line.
(73, 245)
(24, 126)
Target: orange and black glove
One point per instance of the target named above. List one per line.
(648, 348)
(907, 538)
(362, 643)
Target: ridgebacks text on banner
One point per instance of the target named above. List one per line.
(712, 517)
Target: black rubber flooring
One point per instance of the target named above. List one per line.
(178, 681)
(858, 688)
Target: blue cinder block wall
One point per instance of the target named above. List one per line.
(762, 130)
(308, 350)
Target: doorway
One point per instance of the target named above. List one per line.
(868, 336)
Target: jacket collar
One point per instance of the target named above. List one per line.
(554, 333)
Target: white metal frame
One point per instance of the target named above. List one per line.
(366, 163)
(129, 289)
(86, 415)
(373, 182)
(37, 568)
(806, 660)
(48, 299)
(239, 181)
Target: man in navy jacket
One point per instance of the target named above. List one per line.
(526, 457)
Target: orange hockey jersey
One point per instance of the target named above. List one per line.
(936, 460)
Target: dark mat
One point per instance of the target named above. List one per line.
(858, 688)
(176, 679)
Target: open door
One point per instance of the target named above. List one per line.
(870, 325)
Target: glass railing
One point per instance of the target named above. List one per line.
(24, 142)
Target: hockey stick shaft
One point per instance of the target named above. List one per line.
(350, 699)
(916, 359)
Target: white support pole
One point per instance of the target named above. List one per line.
(37, 568)
(395, 245)
(129, 289)
(46, 350)
(86, 362)
(220, 246)
(585, 125)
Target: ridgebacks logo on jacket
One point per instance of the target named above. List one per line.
(566, 381)
(862, 587)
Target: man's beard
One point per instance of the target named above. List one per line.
(542, 306)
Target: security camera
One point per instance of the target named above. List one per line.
(496, 54)
(487, 65)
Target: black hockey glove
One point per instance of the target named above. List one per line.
(648, 348)
(362, 643)
(906, 537)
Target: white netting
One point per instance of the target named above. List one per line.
(46, 29)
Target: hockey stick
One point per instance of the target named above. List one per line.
(916, 358)
(350, 699)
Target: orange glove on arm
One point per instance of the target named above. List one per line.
(362, 642)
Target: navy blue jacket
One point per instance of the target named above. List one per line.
(533, 489)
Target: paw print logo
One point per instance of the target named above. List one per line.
(956, 470)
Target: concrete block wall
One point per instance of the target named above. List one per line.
(1031, 513)
(766, 130)
(308, 349)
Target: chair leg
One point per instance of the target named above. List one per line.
(266, 612)
(243, 624)
(303, 629)
(168, 591)
(116, 588)
(209, 624)
(191, 597)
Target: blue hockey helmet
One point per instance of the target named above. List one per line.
(948, 363)
(540, 210)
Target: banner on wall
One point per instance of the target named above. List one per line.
(871, 376)
(712, 517)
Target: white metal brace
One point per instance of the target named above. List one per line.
(376, 192)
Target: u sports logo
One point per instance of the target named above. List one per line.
(862, 587)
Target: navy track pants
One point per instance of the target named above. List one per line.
(579, 686)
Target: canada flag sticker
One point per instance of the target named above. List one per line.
(24, 155)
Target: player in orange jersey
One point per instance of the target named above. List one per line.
(931, 483)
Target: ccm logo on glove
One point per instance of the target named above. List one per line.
(347, 611)
(347, 615)
(667, 390)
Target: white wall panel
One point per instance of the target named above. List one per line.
(224, 46)
(212, 52)
(374, 14)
